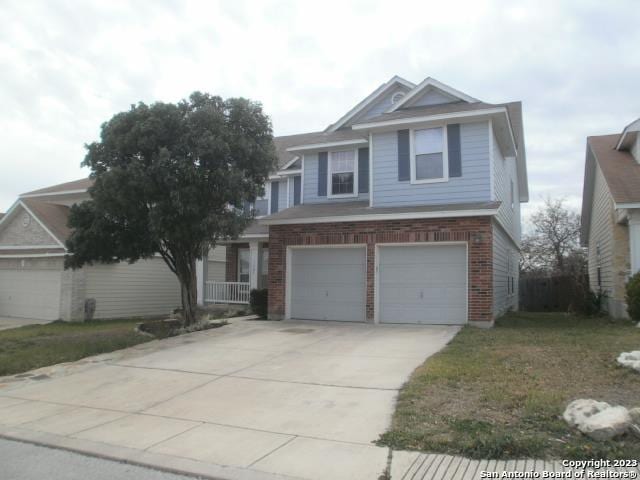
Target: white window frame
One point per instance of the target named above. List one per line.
(239, 263)
(445, 156)
(355, 174)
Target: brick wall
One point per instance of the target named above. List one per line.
(476, 231)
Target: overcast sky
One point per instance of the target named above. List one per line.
(67, 66)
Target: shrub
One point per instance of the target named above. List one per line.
(633, 297)
(258, 300)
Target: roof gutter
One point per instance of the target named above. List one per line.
(485, 212)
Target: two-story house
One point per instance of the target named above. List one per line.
(405, 210)
(611, 213)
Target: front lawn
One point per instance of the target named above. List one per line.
(34, 346)
(500, 393)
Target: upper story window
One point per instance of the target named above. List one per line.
(428, 159)
(342, 173)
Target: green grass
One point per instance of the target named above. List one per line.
(34, 346)
(500, 393)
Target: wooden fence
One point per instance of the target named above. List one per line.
(551, 294)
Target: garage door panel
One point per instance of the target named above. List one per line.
(423, 274)
(340, 293)
(347, 312)
(328, 284)
(441, 295)
(418, 315)
(30, 294)
(423, 284)
(338, 274)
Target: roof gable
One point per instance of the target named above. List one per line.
(378, 96)
(431, 92)
(22, 228)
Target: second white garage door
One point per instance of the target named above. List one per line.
(422, 284)
(30, 294)
(328, 284)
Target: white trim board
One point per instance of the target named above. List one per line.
(317, 146)
(27, 247)
(33, 255)
(384, 216)
(369, 100)
(287, 291)
(431, 118)
(52, 194)
(432, 82)
(376, 271)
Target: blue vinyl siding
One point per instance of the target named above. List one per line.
(472, 186)
(310, 190)
(431, 97)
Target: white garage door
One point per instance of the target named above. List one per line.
(423, 284)
(328, 284)
(30, 294)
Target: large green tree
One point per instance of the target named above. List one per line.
(171, 179)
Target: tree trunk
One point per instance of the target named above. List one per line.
(188, 290)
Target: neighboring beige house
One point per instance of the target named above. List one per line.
(33, 283)
(611, 213)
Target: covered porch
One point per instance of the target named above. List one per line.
(233, 269)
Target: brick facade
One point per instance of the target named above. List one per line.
(476, 231)
(231, 274)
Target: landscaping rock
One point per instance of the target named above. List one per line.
(578, 411)
(598, 420)
(634, 413)
(630, 359)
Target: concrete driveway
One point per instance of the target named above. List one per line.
(249, 400)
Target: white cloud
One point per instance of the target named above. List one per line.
(68, 67)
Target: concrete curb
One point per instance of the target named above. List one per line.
(155, 461)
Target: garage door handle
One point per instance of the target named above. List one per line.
(421, 293)
(326, 293)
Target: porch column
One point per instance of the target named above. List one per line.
(254, 261)
(634, 241)
(200, 279)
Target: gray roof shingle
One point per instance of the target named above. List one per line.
(315, 211)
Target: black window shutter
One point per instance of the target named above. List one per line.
(322, 174)
(275, 194)
(404, 172)
(363, 170)
(297, 184)
(455, 151)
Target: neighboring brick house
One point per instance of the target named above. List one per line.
(611, 213)
(34, 284)
(405, 210)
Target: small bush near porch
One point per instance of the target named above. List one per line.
(500, 393)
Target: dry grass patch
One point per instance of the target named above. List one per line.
(35, 346)
(500, 393)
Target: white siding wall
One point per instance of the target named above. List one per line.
(143, 289)
(601, 235)
(504, 174)
(506, 259)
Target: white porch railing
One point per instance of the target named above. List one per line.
(227, 292)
